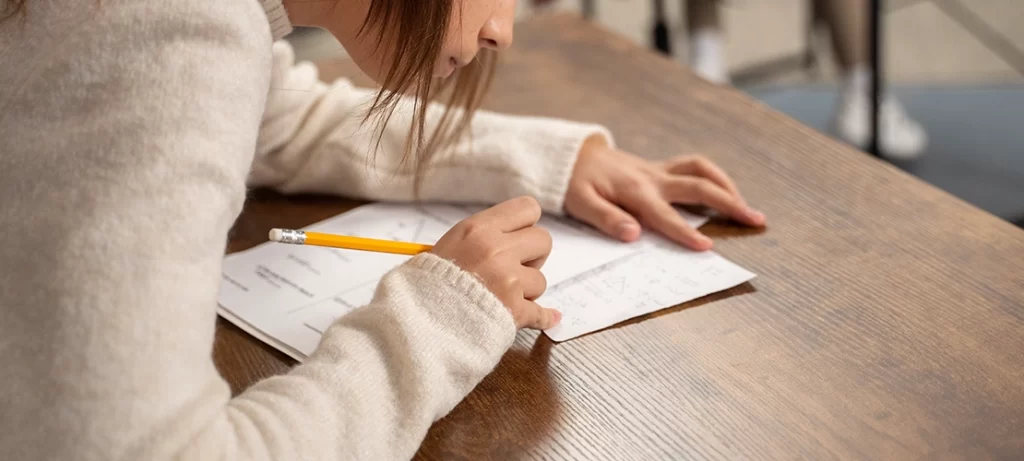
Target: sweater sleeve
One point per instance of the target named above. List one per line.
(381, 375)
(127, 131)
(313, 139)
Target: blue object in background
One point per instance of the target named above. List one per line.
(975, 136)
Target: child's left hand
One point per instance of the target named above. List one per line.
(606, 183)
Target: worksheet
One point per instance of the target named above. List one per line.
(287, 295)
(647, 281)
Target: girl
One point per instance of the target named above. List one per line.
(129, 131)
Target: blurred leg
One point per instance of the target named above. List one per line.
(701, 14)
(813, 21)
(707, 50)
(589, 9)
(901, 137)
(848, 23)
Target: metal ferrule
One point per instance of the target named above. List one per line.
(292, 236)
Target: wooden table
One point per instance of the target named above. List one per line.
(887, 321)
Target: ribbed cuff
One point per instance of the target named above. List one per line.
(561, 149)
(485, 306)
(277, 17)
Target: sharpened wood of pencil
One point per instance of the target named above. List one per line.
(298, 237)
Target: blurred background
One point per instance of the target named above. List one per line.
(956, 67)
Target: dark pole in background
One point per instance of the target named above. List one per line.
(875, 47)
(662, 39)
(588, 9)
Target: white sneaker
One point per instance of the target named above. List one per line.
(707, 56)
(901, 137)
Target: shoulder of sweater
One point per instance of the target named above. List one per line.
(277, 17)
(53, 22)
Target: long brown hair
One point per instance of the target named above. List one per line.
(417, 28)
(10, 8)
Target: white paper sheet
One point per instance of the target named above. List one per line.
(648, 281)
(287, 295)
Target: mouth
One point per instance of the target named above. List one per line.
(455, 63)
(450, 66)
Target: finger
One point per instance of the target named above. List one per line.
(662, 217)
(534, 316)
(597, 211)
(511, 215)
(705, 192)
(531, 245)
(533, 282)
(700, 166)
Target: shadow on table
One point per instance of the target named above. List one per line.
(721, 228)
(742, 289)
(513, 409)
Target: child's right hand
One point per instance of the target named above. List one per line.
(505, 249)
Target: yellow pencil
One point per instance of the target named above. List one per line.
(298, 237)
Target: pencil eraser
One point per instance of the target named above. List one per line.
(276, 235)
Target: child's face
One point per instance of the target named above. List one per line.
(475, 24)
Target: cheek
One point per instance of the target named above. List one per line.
(458, 43)
(468, 17)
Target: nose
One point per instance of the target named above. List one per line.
(496, 34)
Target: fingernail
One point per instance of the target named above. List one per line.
(556, 317)
(628, 231)
(705, 242)
(755, 215)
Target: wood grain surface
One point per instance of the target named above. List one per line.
(887, 320)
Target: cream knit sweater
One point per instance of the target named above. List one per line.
(129, 132)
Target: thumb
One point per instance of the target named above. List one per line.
(590, 207)
(540, 318)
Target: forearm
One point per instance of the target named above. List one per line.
(382, 374)
(314, 139)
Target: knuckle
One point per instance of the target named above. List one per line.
(684, 160)
(632, 183)
(462, 227)
(702, 187)
(478, 240)
(610, 219)
(664, 178)
(473, 229)
(510, 284)
(517, 318)
(490, 252)
(652, 194)
(684, 233)
(701, 161)
(484, 249)
(522, 317)
(576, 187)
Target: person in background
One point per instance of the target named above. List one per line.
(901, 137)
(129, 134)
